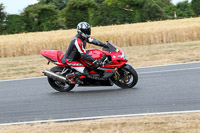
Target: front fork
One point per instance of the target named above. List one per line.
(117, 75)
(124, 77)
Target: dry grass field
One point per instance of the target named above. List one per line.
(122, 35)
(176, 123)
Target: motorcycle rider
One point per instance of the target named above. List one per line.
(76, 50)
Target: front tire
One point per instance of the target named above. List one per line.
(127, 77)
(57, 85)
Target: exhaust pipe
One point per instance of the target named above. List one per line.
(54, 76)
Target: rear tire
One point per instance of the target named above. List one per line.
(57, 85)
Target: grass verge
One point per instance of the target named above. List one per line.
(176, 123)
(138, 56)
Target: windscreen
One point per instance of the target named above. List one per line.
(111, 48)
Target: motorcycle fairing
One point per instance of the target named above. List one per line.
(54, 56)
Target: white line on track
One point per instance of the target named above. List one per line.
(22, 79)
(169, 65)
(174, 70)
(98, 117)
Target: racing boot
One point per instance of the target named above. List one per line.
(77, 79)
(71, 78)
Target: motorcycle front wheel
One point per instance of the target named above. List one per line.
(57, 85)
(125, 78)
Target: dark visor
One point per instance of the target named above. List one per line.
(87, 31)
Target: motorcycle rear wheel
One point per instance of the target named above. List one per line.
(57, 85)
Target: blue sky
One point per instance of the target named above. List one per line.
(17, 6)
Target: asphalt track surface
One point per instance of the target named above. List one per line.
(160, 89)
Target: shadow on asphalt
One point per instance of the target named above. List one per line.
(98, 90)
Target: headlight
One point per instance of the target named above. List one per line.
(122, 56)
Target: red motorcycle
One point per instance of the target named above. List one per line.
(113, 70)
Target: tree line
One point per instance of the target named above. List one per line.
(47, 15)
